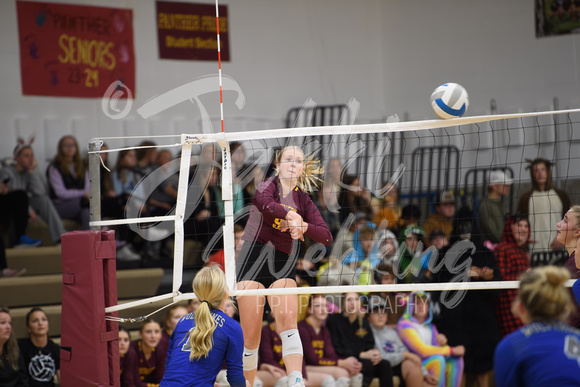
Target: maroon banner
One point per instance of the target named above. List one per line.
(189, 31)
(74, 50)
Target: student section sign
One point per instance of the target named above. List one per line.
(73, 50)
(189, 31)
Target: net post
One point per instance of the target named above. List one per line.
(228, 227)
(186, 144)
(95, 181)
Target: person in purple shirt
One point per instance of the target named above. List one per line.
(68, 181)
(569, 235)
(281, 214)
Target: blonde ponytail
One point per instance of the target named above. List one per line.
(543, 294)
(209, 285)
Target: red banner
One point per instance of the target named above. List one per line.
(74, 50)
(189, 31)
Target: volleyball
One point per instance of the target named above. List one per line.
(449, 100)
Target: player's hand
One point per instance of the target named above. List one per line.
(459, 350)
(295, 225)
(283, 225)
(441, 339)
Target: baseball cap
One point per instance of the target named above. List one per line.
(498, 177)
(446, 197)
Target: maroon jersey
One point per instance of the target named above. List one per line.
(318, 349)
(269, 209)
(130, 369)
(151, 371)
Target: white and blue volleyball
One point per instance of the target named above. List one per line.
(449, 100)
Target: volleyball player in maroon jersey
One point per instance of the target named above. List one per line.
(282, 213)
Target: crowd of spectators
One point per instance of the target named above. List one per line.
(377, 240)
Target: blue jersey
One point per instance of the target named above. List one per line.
(539, 354)
(576, 290)
(228, 346)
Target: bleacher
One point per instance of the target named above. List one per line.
(41, 286)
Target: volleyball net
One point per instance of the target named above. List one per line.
(423, 164)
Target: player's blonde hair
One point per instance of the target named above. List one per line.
(576, 210)
(210, 287)
(308, 179)
(543, 294)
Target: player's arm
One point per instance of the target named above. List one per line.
(317, 229)
(234, 355)
(265, 202)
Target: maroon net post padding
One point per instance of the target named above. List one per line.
(89, 344)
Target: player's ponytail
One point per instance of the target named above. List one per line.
(210, 287)
(543, 294)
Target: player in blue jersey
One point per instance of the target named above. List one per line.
(204, 339)
(545, 351)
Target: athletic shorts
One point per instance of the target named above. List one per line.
(264, 264)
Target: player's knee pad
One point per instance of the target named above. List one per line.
(291, 343)
(250, 360)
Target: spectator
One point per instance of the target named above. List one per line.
(410, 215)
(326, 198)
(545, 206)
(151, 352)
(569, 235)
(437, 239)
(420, 335)
(172, 316)
(14, 216)
(410, 263)
(24, 176)
(68, 182)
(388, 208)
(388, 246)
(467, 317)
(491, 209)
(164, 195)
(384, 249)
(319, 354)
(405, 364)
(146, 158)
(250, 175)
(6, 272)
(362, 243)
(128, 361)
(442, 219)
(41, 355)
(218, 258)
(344, 243)
(125, 178)
(205, 221)
(110, 208)
(545, 351)
(512, 259)
(353, 198)
(193, 304)
(12, 369)
(271, 360)
(395, 302)
(352, 337)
